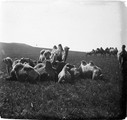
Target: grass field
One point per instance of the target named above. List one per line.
(85, 98)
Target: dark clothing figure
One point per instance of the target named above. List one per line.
(123, 63)
(123, 59)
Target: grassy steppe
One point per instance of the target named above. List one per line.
(85, 98)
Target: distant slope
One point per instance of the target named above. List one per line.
(18, 50)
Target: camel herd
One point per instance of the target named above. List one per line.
(51, 65)
(107, 51)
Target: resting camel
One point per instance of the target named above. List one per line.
(90, 70)
(39, 65)
(58, 65)
(27, 60)
(53, 56)
(64, 75)
(24, 72)
(53, 51)
(58, 54)
(15, 62)
(32, 75)
(17, 73)
(8, 61)
(75, 73)
(44, 55)
(41, 57)
(47, 71)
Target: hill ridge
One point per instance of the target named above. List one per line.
(18, 50)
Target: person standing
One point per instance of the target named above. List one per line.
(123, 59)
(123, 64)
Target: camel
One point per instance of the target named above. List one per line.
(75, 73)
(27, 60)
(53, 56)
(8, 61)
(58, 54)
(65, 53)
(44, 55)
(24, 72)
(47, 71)
(64, 75)
(90, 70)
(41, 57)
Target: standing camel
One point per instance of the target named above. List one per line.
(65, 53)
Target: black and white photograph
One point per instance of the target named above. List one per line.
(63, 59)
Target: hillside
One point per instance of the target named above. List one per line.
(18, 50)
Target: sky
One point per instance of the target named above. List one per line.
(79, 24)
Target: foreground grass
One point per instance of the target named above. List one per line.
(85, 98)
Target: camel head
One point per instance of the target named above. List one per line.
(66, 48)
(47, 54)
(54, 47)
(42, 51)
(60, 47)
